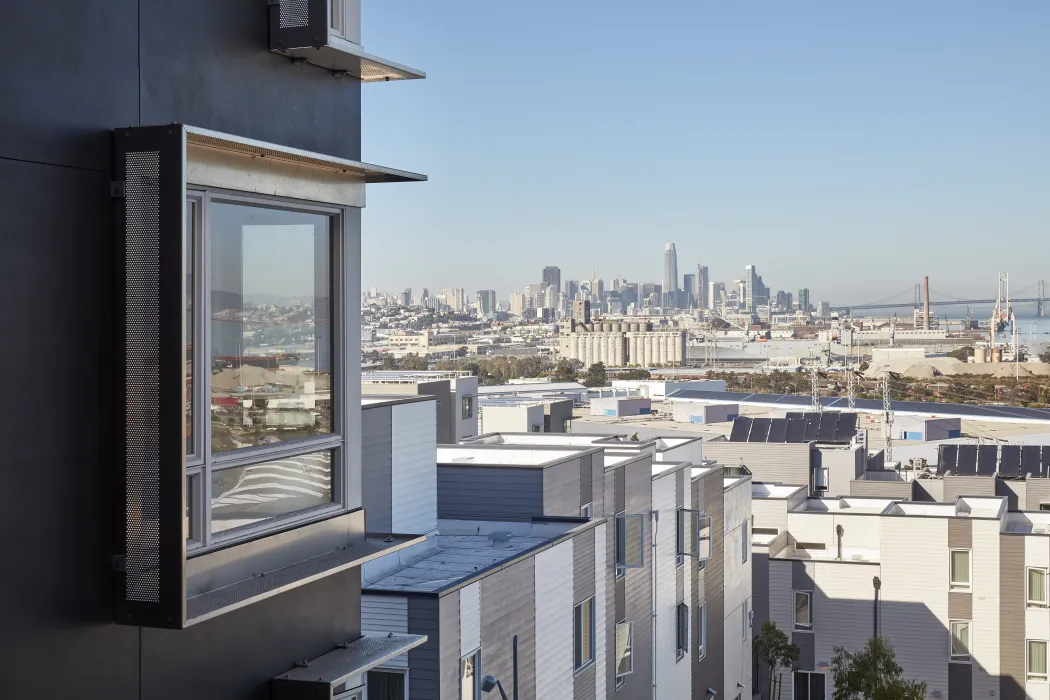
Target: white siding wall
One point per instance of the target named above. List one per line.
(915, 596)
(770, 512)
(781, 602)
(1037, 621)
(985, 636)
(842, 609)
(672, 676)
(859, 532)
(554, 633)
(689, 452)
(385, 613)
(601, 623)
(737, 592)
(470, 620)
(413, 467)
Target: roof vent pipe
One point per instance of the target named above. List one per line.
(838, 531)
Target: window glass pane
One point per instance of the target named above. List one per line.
(703, 631)
(704, 539)
(801, 686)
(624, 662)
(466, 679)
(1037, 658)
(1037, 585)
(187, 249)
(586, 632)
(961, 567)
(243, 496)
(816, 686)
(386, 685)
(802, 609)
(271, 335)
(960, 638)
(745, 541)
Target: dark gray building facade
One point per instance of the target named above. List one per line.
(115, 595)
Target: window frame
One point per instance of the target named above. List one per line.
(1029, 601)
(202, 463)
(795, 624)
(620, 563)
(745, 542)
(953, 656)
(466, 406)
(621, 678)
(577, 639)
(956, 585)
(701, 621)
(587, 510)
(808, 685)
(681, 630)
(1029, 676)
(476, 656)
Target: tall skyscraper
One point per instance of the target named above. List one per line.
(581, 311)
(714, 294)
(670, 280)
(750, 284)
(552, 277)
(550, 297)
(702, 282)
(688, 294)
(803, 299)
(486, 301)
(571, 287)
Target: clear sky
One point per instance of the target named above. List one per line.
(850, 147)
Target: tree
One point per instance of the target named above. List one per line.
(595, 375)
(962, 354)
(566, 370)
(1044, 356)
(634, 374)
(872, 674)
(863, 367)
(774, 648)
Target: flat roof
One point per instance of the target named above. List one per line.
(1027, 523)
(576, 439)
(774, 491)
(663, 468)
(532, 388)
(729, 481)
(508, 455)
(994, 413)
(456, 558)
(850, 504)
(380, 401)
(963, 507)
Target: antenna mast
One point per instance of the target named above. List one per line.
(887, 416)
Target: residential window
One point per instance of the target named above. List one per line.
(693, 534)
(1044, 506)
(264, 448)
(682, 628)
(467, 406)
(745, 621)
(745, 543)
(566, 425)
(629, 542)
(536, 428)
(624, 658)
(470, 676)
(1036, 661)
(803, 611)
(959, 575)
(587, 510)
(701, 621)
(960, 640)
(1037, 588)
(341, 14)
(583, 622)
(809, 685)
(821, 476)
(386, 684)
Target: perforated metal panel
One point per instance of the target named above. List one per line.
(295, 13)
(141, 357)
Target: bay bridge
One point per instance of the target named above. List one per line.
(911, 297)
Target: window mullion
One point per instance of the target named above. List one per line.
(204, 404)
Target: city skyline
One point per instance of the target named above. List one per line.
(799, 137)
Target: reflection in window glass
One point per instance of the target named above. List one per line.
(271, 336)
(243, 496)
(187, 248)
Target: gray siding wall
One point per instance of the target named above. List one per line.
(802, 580)
(769, 462)
(561, 489)
(1037, 491)
(376, 446)
(928, 489)
(448, 648)
(955, 486)
(507, 609)
(898, 490)
(447, 419)
(709, 588)
(843, 465)
(960, 533)
(638, 584)
(598, 486)
(587, 481)
(679, 574)
(559, 412)
(1011, 617)
(960, 605)
(583, 588)
(425, 661)
(615, 601)
(489, 493)
(1016, 493)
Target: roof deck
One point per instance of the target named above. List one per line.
(1027, 523)
(964, 507)
(507, 455)
(774, 491)
(567, 439)
(847, 505)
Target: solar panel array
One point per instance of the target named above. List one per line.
(1008, 461)
(828, 427)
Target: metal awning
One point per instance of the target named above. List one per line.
(321, 677)
(345, 56)
(205, 138)
(269, 583)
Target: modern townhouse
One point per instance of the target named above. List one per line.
(456, 394)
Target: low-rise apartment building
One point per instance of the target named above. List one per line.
(456, 394)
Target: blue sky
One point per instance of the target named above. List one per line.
(850, 147)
